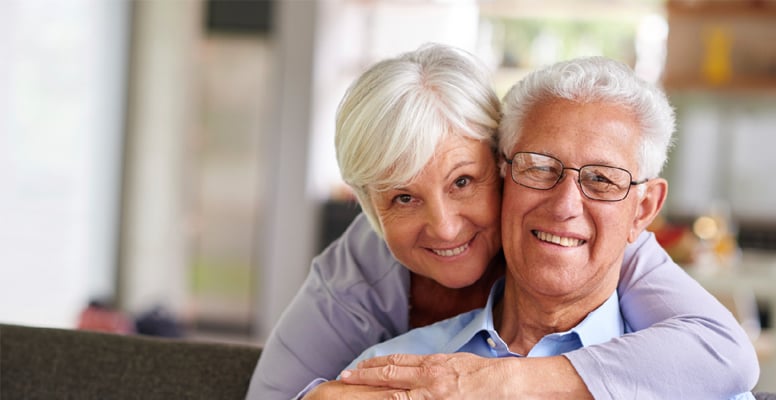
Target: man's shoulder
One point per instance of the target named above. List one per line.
(428, 339)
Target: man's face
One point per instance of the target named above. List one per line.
(558, 243)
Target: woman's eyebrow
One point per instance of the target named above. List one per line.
(459, 165)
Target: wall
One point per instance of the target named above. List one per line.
(62, 71)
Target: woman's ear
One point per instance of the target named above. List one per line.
(649, 206)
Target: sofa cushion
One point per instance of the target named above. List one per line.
(47, 363)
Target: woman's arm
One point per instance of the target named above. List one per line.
(682, 332)
(690, 347)
(354, 296)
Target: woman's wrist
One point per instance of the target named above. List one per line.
(544, 378)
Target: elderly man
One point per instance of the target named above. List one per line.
(583, 142)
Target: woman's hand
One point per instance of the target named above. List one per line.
(468, 376)
(437, 376)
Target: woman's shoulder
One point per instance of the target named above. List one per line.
(359, 257)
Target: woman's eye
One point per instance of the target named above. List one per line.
(462, 181)
(402, 199)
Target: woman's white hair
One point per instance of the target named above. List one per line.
(594, 79)
(393, 117)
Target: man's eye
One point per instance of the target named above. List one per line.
(600, 181)
(541, 172)
(402, 199)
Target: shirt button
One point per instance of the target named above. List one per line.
(491, 343)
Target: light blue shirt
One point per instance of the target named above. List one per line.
(474, 332)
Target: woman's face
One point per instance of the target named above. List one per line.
(444, 224)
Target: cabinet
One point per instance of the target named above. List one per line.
(721, 44)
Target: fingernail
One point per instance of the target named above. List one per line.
(346, 374)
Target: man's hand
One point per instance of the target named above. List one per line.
(468, 376)
(337, 390)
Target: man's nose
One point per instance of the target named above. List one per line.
(567, 198)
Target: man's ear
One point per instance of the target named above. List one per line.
(649, 206)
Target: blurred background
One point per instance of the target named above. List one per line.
(167, 166)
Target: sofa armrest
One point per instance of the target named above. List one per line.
(48, 363)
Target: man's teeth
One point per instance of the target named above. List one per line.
(451, 252)
(562, 241)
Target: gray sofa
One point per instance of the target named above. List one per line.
(46, 363)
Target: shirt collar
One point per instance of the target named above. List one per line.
(601, 325)
(482, 321)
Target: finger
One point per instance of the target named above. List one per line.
(379, 394)
(389, 375)
(402, 395)
(393, 359)
(372, 393)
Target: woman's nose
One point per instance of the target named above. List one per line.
(444, 219)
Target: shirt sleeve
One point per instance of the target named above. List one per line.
(685, 343)
(354, 296)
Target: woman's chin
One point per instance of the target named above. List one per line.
(459, 282)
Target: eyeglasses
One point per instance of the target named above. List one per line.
(597, 182)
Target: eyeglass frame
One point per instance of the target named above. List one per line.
(581, 187)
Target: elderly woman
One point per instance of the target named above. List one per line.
(585, 141)
(416, 140)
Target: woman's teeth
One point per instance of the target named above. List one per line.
(561, 241)
(451, 252)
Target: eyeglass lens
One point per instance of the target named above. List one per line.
(598, 182)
